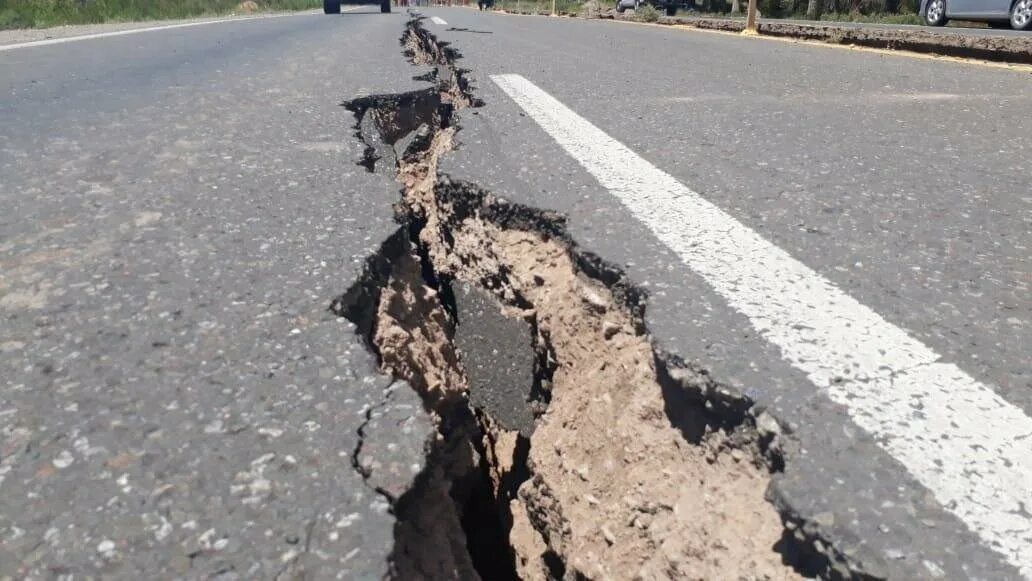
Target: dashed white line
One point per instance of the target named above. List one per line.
(438, 20)
(50, 41)
(955, 435)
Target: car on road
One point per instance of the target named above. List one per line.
(998, 13)
(668, 6)
(333, 6)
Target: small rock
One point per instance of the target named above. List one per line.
(608, 535)
(609, 329)
(63, 460)
(270, 432)
(263, 459)
(594, 299)
(120, 461)
(934, 570)
(163, 530)
(767, 426)
(824, 519)
(261, 487)
(161, 491)
(7, 346)
(204, 541)
(288, 556)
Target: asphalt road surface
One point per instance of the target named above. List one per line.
(842, 235)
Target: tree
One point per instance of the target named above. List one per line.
(813, 9)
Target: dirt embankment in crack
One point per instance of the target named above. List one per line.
(623, 474)
(615, 488)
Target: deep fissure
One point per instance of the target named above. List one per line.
(631, 462)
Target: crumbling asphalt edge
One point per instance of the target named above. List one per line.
(811, 547)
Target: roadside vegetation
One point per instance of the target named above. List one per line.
(886, 11)
(874, 18)
(646, 13)
(572, 7)
(872, 11)
(45, 13)
(878, 18)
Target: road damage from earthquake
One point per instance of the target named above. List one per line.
(574, 448)
(457, 294)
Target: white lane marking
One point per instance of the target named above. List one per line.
(438, 20)
(50, 41)
(962, 441)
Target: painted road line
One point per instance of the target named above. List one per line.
(438, 20)
(50, 41)
(955, 435)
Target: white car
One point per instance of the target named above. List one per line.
(996, 12)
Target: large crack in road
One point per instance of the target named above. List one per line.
(566, 445)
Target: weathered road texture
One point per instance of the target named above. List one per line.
(179, 210)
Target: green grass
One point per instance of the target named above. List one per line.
(903, 18)
(44, 13)
(872, 18)
(646, 13)
(910, 18)
(537, 6)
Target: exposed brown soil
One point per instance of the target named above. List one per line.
(615, 481)
(412, 336)
(616, 490)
